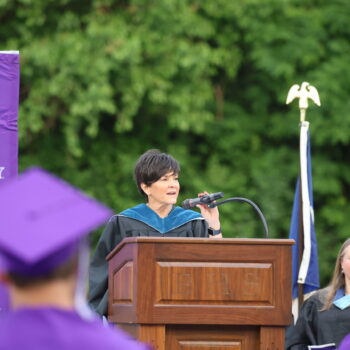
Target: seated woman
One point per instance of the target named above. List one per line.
(156, 176)
(325, 316)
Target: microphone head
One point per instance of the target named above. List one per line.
(206, 199)
(186, 204)
(217, 195)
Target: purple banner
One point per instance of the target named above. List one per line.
(9, 99)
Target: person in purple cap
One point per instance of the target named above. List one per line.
(157, 179)
(43, 262)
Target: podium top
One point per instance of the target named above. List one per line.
(196, 240)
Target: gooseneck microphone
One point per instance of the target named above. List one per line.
(246, 200)
(206, 199)
(210, 200)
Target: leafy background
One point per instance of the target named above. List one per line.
(206, 81)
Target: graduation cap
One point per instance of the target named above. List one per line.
(42, 221)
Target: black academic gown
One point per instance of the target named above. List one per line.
(316, 327)
(136, 222)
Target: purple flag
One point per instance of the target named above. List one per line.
(9, 99)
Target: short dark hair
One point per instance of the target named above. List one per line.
(151, 166)
(65, 270)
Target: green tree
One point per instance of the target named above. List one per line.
(104, 80)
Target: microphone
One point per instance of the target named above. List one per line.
(206, 199)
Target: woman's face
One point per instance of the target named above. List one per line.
(163, 191)
(345, 263)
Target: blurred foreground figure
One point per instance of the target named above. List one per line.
(43, 262)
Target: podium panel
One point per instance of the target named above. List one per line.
(212, 337)
(180, 282)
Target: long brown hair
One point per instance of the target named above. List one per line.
(338, 279)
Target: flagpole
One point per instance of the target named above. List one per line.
(303, 93)
(301, 244)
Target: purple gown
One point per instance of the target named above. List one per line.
(46, 328)
(4, 300)
(345, 344)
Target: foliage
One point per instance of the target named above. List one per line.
(104, 80)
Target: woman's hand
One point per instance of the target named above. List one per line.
(211, 215)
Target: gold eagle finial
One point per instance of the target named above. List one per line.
(305, 92)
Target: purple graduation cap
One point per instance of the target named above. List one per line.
(43, 220)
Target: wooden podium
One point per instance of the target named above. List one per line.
(201, 293)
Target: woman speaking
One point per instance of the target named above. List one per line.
(157, 179)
